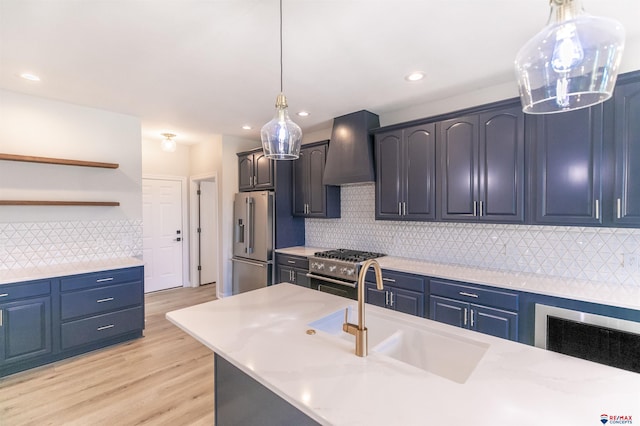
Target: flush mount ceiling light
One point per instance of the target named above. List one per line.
(246, 127)
(168, 144)
(414, 76)
(29, 76)
(281, 137)
(571, 63)
(304, 114)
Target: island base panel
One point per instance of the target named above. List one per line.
(241, 400)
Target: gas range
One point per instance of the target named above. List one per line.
(341, 264)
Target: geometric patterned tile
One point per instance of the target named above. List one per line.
(36, 244)
(592, 254)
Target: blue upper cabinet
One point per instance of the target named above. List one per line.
(482, 169)
(567, 162)
(626, 198)
(311, 197)
(406, 173)
(255, 171)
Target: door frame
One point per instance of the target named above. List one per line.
(193, 208)
(185, 221)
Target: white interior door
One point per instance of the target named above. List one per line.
(162, 233)
(208, 233)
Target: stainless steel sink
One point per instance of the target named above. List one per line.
(447, 355)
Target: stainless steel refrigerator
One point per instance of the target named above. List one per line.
(252, 240)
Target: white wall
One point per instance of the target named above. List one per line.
(32, 236)
(36, 126)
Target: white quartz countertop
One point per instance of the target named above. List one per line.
(52, 271)
(613, 294)
(263, 333)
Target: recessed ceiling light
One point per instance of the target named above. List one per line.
(414, 76)
(29, 76)
(246, 127)
(304, 113)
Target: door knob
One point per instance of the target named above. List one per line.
(178, 239)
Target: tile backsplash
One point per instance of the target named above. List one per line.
(35, 244)
(592, 254)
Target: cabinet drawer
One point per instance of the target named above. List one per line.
(398, 279)
(101, 278)
(93, 329)
(99, 300)
(293, 261)
(477, 295)
(21, 291)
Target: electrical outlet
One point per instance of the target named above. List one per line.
(632, 262)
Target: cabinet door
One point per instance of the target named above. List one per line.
(375, 296)
(627, 158)
(495, 322)
(26, 329)
(420, 168)
(458, 141)
(300, 183)
(409, 302)
(245, 172)
(284, 274)
(448, 311)
(300, 278)
(567, 172)
(317, 194)
(501, 166)
(263, 171)
(389, 151)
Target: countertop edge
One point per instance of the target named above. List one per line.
(610, 294)
(16, 276)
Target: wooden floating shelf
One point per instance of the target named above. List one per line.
(58, 203)
(62, 161)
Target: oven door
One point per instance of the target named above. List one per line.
(334, 286)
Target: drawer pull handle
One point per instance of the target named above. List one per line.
(389, 279)
(108, 299)
(4, 294)
(105, 327)
(462, 293)
(291, 261)
(103, 280)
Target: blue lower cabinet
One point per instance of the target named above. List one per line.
(449, 311)
(402, 292)
(49, 320)
(488, 311)
(406, 301)
(495, 322)
(25, 329)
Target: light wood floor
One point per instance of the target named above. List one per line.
(164, 378)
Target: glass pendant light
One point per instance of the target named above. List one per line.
(571, 63)
(168, 144)
(281, 137)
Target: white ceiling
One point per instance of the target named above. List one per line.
(203, 67)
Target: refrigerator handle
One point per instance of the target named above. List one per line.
(251, 220)
(261, 265)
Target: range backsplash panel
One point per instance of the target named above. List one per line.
(592, 254)
(25, 245)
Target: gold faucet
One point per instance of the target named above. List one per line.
(359, 330)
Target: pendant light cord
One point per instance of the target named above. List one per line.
(281, 89)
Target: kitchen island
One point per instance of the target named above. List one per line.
(264, 335)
